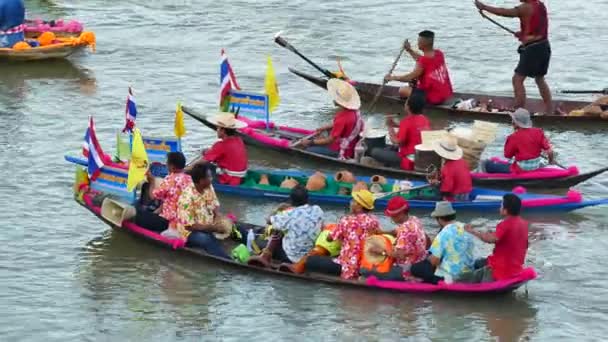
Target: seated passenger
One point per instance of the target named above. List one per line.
(524, 147)
(451, 253)
(456, 182)
(168, 192)
(347, 126)
(411, 244)
(510, 245)
(198, 213)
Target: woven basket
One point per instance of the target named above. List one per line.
(472, 151)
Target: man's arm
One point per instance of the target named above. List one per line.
(515, 12)
(407, 77)
(408, 47)
(487, 237)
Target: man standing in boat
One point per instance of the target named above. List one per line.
(12, 18)
(535, 50)
(431, 72)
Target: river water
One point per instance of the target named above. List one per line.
(66, 276)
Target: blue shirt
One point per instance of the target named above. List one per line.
(454, 247)
(12, 13)
(301, 225)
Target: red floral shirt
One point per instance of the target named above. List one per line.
(168, 192)
(352, 230)
(411, 239)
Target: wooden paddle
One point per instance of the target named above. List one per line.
(602, 92)
(279, 40)
(300, 141)
(420, 187)
(384, 82)
(496, 23)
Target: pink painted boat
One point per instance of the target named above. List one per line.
(60, 27)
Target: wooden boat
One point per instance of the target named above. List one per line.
(60, 28)
(278, 138)
(421, 198)
(493, 288)
(60, 48)
(390, 99)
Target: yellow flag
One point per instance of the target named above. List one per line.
(138, 166)
(271, 87)
(179, 129)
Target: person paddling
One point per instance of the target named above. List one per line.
(525, 146)
(431, 71)
(346, 127)
(535, 50)
(12, 19)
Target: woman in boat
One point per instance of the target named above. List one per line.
(352, 230)
(229, 154)
(198, 215)
(524, 146)
(455, 179)
(535, 50)
(510, 245)
(343, 133)
(12, 22)
(294, 230)
(168, 192)
(451, 253)
(431, 71)
(402, 153)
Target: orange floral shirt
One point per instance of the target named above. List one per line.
(168, 192)
(194, 207)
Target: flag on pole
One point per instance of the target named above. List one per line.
(179, 128)
(138, 165)
(123, 148)
(271, 87)
(130, 112)
(85, 144)
(95, 153)
(227, 81)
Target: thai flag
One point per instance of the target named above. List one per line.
(94, 151)
(227, 78)
(85, 144)
(130, 112)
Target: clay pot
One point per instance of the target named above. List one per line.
(264, 180)
(604, 115)
(316, 182)
(601, 101)
(377, 179)
(593, 110)
(360, 186)
(344, 177)
(376, 188)
(289, 183)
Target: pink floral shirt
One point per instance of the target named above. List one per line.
(412, 240)
(168, 192)
(352, 230)
(194, 207)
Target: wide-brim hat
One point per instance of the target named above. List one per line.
(344, 94)
(378, 242)
(521, 118)
(365, 199)
(448, 148)
(428, 140)
(442, 209)
(226, 225)
(226, 120)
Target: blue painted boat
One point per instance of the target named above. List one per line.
(483, 200)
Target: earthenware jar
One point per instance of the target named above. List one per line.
(316, 182)
(377, 179)
(264, 180)
(360, 186)
(344, 177)
(289, 183)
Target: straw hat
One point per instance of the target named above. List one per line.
(448, 148)
(365, 199)
(521, 118)
(227, 120)
(344, 94)
(226, 224)
(442, 209)
(429, 138)
(377, 242)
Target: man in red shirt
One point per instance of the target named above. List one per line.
(524, 147)
(535, 50)
(430, 72)
(511, 245)
(229, 154)
(402, 153)
(455, 180)
(348, 124)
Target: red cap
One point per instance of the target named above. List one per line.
(396, 205)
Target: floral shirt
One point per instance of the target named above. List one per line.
(411, 239)
(454, 247)
(302, 226)
(194, 207)
(352, 230)
(168, 192)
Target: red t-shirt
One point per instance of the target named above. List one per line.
(455, 178)
(538, 24)
(510, 250)
(345, 122)
(435, 79)
(526, 143)
(409, 136)
(228, 154)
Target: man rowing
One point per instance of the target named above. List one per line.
(535, 50)
(430, 72)
(346, 127)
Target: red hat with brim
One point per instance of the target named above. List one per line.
(396, 205)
